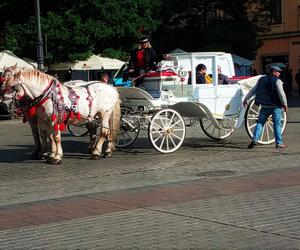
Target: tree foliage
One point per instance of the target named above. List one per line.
(74, 29)
(221, 25)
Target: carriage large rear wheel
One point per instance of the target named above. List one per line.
(129, 129)
(251, 116)
(166, 131)
(228, 127)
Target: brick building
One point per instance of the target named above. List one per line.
(281, 45)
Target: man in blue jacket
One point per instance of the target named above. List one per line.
(270, 95)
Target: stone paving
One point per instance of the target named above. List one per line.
(207, 195)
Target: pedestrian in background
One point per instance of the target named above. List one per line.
(104, 77)
(270, 95)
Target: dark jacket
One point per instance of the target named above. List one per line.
(200, 78)
(150, 58)
(266, 91)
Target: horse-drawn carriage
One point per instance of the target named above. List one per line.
(168, 100)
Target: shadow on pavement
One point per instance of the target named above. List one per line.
(22, 153)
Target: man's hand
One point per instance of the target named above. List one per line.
(245, 103)
(285, 108)
(130, 70)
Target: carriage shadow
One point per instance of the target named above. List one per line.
(209, 144)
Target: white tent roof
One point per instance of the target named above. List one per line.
(7, 59)
(93, 63)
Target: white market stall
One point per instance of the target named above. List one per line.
(7, 59)
(87, 70)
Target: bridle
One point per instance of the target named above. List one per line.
(24, 102)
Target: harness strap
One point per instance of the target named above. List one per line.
(89, 99)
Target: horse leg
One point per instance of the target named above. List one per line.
(36, 153)
(92, 127)
(57, 159)
(109, 149)
(114, 125)
(45, 145)
(99, 145)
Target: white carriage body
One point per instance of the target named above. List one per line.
(178, 100)
(174, 83)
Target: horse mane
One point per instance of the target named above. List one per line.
(36, 74)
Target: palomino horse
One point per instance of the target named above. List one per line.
(55, 105)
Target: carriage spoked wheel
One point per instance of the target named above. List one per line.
(251, 116)
(166, 131)
(78, 129)
(129, 129)
(190, 121)
(228, 127)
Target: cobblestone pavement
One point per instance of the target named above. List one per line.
(207, 195)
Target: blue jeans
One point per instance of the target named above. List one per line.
(264, 114)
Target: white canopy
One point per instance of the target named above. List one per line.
(93, 63)
(7, 59)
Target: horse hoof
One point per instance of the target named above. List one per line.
(54, 161)
(49, 160)
(107, 155)
(95, 157)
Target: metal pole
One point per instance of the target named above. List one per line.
(39, 41)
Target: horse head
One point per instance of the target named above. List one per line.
(9, 77)
(11, 83)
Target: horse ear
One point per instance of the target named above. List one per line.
(14, 67)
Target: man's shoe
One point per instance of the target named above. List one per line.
(252, 144)
(281, 146)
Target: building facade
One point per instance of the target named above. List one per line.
(281, 45)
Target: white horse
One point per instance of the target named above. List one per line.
(55, 105)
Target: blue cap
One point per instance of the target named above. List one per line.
(274, 68)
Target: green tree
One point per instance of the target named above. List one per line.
(221, 25)
(75, 28)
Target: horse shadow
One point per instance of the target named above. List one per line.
(22, 153)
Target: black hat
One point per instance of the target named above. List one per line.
(143, 39)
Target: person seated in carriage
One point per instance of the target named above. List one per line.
(223, 79)
(201, 76)
(142, 59)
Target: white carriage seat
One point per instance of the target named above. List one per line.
(153, 81)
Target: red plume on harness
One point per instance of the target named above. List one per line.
(2, 79)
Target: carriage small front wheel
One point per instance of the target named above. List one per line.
(78, 129)
(129, 129)
(166, 131)
(251, 116)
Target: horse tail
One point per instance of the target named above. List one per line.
(114, 122)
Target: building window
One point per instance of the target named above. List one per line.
(276, 11)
